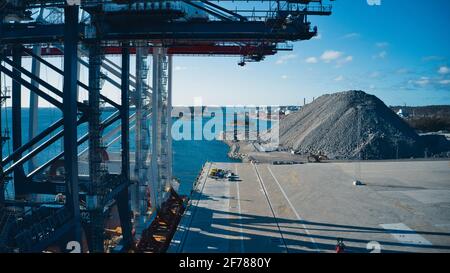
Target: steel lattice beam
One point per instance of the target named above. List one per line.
(219, 31)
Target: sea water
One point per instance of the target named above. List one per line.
(188, 155)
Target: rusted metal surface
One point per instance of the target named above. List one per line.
(157, 237)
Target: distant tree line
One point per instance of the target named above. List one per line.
(426, 118)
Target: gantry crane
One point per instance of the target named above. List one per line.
(96, 29)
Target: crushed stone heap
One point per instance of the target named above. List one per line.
(350, 125)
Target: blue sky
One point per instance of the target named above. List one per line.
(399, 51)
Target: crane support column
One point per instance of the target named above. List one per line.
(97, 171)
(123, 200)
(142, 203)
(169, 120)
(156, 112)
(70, 116)
(34, 104)
(19, 176)
(160, 129)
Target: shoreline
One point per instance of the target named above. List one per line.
(237, 152)
(233, 151)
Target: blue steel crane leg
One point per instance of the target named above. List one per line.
(94, 198)
(19, 175)
(123, 200)
(70, 116)
(34, 103)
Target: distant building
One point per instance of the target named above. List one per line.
(288, 109)
(293, 108)
(402, 113)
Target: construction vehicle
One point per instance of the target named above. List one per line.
(316, 158)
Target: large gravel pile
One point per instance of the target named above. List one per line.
(350, 125)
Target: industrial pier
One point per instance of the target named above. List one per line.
(86, 33)
(401, 206)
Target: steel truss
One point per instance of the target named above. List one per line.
(39, 29)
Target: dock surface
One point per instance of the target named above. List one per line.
(401, 207)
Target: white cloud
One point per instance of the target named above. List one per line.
(283, 59)
(402, 71)
(432, 58)
(430, 82)
(444, 70)
(381, 55)
(330, 55)
(422, 81)
(382, 44)
(351, 35)
(345, 60)
(318, 37)
(375, 74)
(311, 60)
(284, 77)
(179, 68)
(339, 78)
